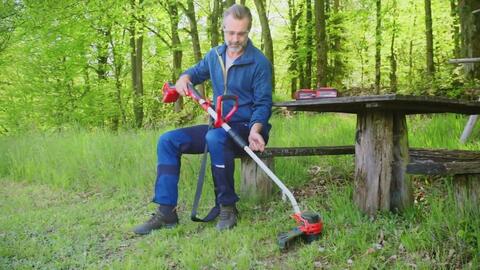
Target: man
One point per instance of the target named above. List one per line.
(235, 68)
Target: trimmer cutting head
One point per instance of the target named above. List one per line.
(310, 228)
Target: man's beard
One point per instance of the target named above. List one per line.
(236, 47)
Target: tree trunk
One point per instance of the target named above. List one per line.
(455, 28)
(321, 47)
(410, 51)
(429, 38)
(470, 35)
(309, 25)
(102, 54)
(302, 24)
(197, 52)
(393, 55)
(378, 47)
(393, 66)
(266, 35)
(214, 23)
(176, 48)
(117, 67)
(337, 45)
(190, 12)
(136, 45)
(293, 17)
(476, 38)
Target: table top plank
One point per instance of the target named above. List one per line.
(390, 102)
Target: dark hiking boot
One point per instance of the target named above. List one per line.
(165, 217)
(228, 217)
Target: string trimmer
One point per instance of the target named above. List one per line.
(309, 223)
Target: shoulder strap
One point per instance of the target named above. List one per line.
(215, 211)
(224, 71)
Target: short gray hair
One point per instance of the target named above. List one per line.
(238, 12)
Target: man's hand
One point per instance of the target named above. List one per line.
(182, 85)
(255, 139)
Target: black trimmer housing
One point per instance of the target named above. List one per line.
(310, 227)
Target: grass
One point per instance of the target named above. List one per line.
(69, 200)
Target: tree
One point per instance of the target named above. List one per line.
(455, 28)
(117, 67)
(197, 52)
(321, 45)
(136, 59)
(470, 34)
(176, 49)
(266, 35)
(309, 23)
(214, 23)
(378, 46)
(411, 56)
(294, 15)
(190, 12)
(393, 55)
(429, 38)
(336, 36)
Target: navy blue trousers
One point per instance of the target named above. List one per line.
(191, 140)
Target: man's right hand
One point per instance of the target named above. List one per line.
(182, 85)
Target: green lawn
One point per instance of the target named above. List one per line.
(69, 200)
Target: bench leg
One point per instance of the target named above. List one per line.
(381, 157)
(255, 183)
(467, 191)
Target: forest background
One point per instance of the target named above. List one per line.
(101, 63)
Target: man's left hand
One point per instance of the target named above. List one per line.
(255, 139)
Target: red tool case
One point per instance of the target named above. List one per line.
(322, 92)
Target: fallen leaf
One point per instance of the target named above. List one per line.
(369, 251)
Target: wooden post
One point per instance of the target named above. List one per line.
(467, 191)
(401, 190)
(380, 162)
(255, 183)
(468, 128)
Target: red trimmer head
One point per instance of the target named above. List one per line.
(310, 228)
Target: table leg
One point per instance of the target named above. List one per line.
(381, 158)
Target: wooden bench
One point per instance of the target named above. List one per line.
(256, 184)
(463, 165)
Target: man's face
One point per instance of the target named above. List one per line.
(236, 33)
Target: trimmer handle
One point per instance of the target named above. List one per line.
(170, 93)
(220, 99)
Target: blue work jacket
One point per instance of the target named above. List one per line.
(249, 78)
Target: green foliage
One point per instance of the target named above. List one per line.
(67, 64)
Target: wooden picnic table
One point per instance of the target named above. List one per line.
(381, 142)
